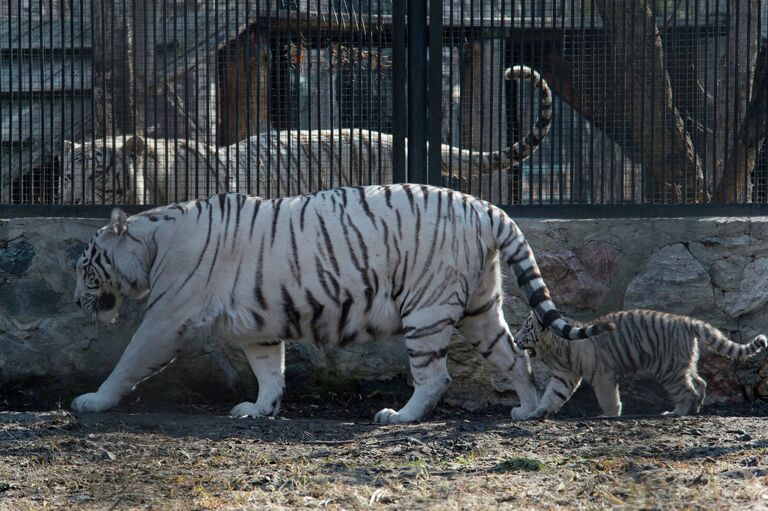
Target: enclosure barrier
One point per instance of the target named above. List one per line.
(659, 106)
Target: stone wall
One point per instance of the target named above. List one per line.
(712, 268)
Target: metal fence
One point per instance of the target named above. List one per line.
(139, 102)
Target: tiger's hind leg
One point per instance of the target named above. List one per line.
(684, 394)
(607, 392)
(486, 329)
(701, 389)
(427, 342)
(268, 364)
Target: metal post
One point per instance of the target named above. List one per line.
(435, 91)
(398, 91)
(417, 91)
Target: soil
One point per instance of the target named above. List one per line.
(325, 453)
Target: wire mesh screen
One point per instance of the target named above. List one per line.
(150, 102)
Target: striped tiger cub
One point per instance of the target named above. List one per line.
(281, 163)
(341, 266)
(649, 343)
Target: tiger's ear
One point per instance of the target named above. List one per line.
(69, 146)
(117, 221)
(538, 325)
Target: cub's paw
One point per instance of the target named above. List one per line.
(390, 416)
(94, 402)
(246, 409)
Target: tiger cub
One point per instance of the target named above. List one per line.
(656, 344)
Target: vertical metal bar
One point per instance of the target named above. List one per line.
(398, 92)
(41, 88)
(559, 124)
(379, 80)
(3, 85)
(417, 91)
(556, 79)
(370, 94)
(500, 102)
(451, 141)
(318, 51)
(196, 108)
(731, 156)
(248, 84)
(434, 174)
(537, 100)
(288, 95)
(259, 73)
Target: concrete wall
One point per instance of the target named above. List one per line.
(712, 268)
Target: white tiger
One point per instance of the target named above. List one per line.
(283, 163)
(339, 266)
(108, 171)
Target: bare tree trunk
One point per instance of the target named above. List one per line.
(244, 87)
(668, 156)
(113, 98)
(143, 62)
(750, 137)
(736, 65)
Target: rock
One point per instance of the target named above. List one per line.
(722, 384)
(16, 257)
(73, 253)
(29, 297)
(762, 390)
(579, 278)
(752, 291)
(671, 281)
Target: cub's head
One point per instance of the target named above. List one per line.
(101, 285)
(531, 336)
(98, 172)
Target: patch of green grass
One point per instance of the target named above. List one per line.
(517, 464)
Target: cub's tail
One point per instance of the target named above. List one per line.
(517, 254)
(722, 345)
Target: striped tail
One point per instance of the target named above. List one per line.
(722, 345)
(517, 253)
(517, 153)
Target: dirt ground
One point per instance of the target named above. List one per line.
(328, 455)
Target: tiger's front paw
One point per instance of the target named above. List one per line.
(94, 402)
(390, 416)
(246, 409)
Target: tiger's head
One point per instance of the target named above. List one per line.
(530, 336)
(98, 172)
(111, 268)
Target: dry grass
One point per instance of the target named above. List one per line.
(196, 458)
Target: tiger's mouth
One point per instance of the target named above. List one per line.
(103, 307)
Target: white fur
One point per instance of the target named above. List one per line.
(206, 275)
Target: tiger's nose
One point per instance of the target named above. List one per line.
(77, 302)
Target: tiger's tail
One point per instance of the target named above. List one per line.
(507, 157)
(517, 253)
(722, 345)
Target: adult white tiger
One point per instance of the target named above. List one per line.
(286, 162)
(339, 266)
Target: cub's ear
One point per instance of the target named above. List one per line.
(539, 326)
(117, 221)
